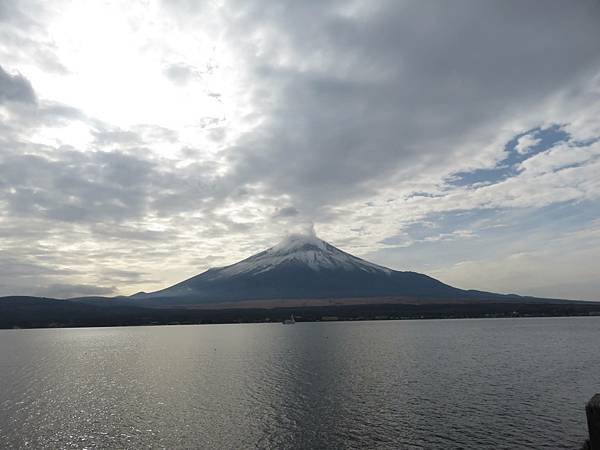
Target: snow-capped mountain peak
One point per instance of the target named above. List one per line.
(301, 266)
(296, 242)
(300, 251)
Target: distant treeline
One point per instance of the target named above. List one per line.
(31, 312)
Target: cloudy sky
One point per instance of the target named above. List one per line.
(142, 142)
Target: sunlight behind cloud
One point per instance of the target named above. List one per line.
(117, 56)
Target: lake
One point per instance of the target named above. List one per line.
(474, 384)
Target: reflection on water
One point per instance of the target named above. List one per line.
(475, 384)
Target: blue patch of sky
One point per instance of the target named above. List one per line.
(439, 223)
(496, 233)
(548, 137)
(487, 223)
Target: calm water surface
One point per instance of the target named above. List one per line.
(475, 384)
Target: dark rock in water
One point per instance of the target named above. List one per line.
(592, 410)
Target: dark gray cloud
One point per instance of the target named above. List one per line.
(388, 89)
(180, 74)
(287, 211)
(106, 137)
(11, 12)
(374, 96)
(78, 187)
(90, 187)
(59, 290)
(23, 35)
(110, 231)
(21, 267)
(116, 137)
(15, 88)
(127, 277)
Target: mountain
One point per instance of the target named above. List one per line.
(302, 275)
(305, 267)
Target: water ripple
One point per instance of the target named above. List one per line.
(472, 384)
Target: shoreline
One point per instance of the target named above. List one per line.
(31, 317)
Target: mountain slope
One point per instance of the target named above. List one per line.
(304, 267)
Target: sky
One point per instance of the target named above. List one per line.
(142, 142)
